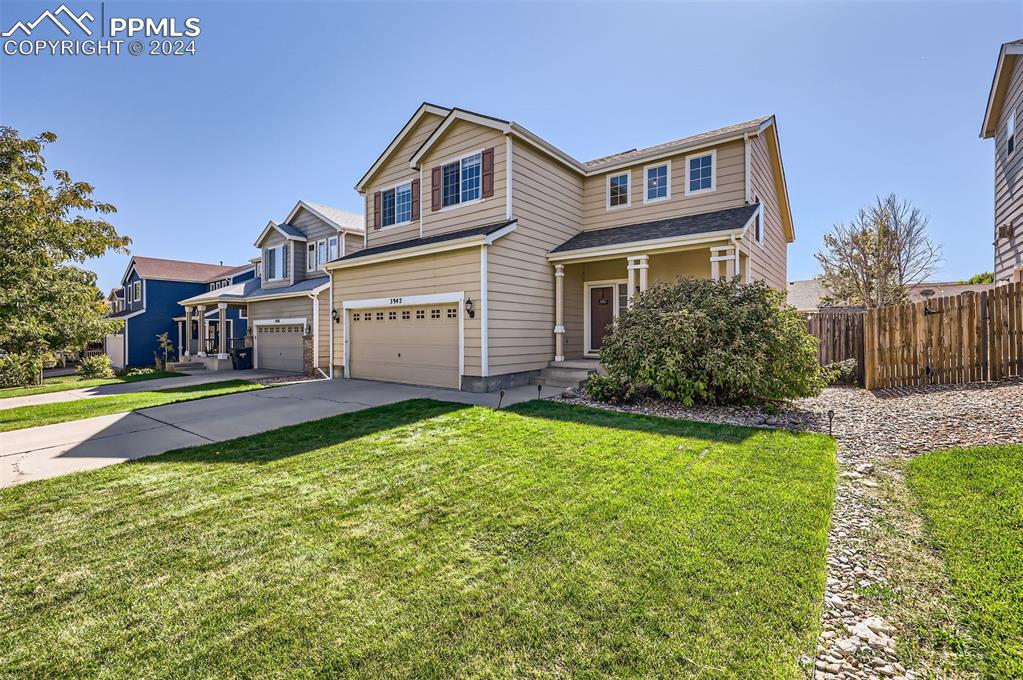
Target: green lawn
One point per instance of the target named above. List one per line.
(74, 382)
(46, 414)
(428, 540)
(973, 502)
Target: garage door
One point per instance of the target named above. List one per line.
(279, 348)
(415, 345)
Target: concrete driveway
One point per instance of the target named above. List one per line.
(196, 378)
(54, 450)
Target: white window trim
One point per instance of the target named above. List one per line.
(136, 289)
(310, 262)
(278, 262)
(326, 252)
(459, 159)
(1010, 131)
(713, 153)
(586, 309)
(646, 168)
(337, 247)
(395, 189)
(404, 301)
(607, 190)
(243, 313)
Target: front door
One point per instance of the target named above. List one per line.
(602, 314)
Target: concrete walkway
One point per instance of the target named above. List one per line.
(54, 450)
(197, 378)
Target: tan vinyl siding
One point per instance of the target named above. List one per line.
(395, 171)
(546, 202)
(457, 271)
(323, 330)
(730, 191)
(460, 139)
(353, 243)
(1008, 185)
(768, 260)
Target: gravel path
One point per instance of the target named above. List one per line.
(872, 430)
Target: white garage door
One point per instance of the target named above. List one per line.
(279, 348)
(415, 345)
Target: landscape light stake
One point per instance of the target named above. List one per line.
(500, 399)
(539, 391)
(831, 420)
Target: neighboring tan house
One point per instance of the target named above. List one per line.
(806, 295)
(1004, 107)
(152, 287)
(286, 305)
(492, 256)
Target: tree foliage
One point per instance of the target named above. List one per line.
(875, 259)
(49, 226)
(702, 341)
(983, 277)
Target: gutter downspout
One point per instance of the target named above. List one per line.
(330, 331)
(746, 179)
(735, 245)
(316, 332)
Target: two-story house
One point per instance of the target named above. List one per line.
(151, 289)
(491, 255)
(1004, 106)
(286, 305)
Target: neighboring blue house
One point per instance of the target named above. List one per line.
(152, 288)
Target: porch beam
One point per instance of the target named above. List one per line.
(559, 312)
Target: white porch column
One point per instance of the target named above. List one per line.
(180, 355)
(643, 265)
(188, 331)
(631, 285)
(559, 312)
(222, 321)
(201, 309)
(726, 254)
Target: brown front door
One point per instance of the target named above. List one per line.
(602, 314)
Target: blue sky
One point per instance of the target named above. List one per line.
(288, 101)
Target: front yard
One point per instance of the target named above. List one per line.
(973, 502)
(73, 382)
(35, 415)
(427, 539)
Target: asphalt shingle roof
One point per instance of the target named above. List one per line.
(346, 219)
(412, 243)
(687, 225)
(178, 270)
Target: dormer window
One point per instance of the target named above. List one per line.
(310, 257)
(321, 251)
(137, 290)
(277, 262)
(618, 190)
(397, 205)
(701, 170)
(1010, 132)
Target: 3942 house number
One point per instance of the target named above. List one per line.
(395, 301)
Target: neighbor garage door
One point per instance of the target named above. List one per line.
(415, 345)
(279, 348)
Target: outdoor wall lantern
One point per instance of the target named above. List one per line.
(469, 308)
(335, 316)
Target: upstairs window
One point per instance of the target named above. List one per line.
(758, 222)
(658, 182)
(618, 191)
(321, 251)
(397, 205)
(461, 181)
(137, 290)
(277, 262)
(332, 248)
(1010, 132)
(310, 257)
(701, 173)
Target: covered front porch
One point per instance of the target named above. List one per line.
(591, 290)
(206, 335)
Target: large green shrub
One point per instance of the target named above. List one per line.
(717, 342)
(18, 369)
(97, 366)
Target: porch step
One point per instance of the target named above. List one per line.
(567, 374)
(187, 366)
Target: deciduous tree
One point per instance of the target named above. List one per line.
(876, 258)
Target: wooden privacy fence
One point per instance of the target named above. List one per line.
(841, 337)
(966, 338)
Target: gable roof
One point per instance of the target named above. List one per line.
(424, 109)
(174, 270)
(728, 220)
(285, 230)
(230, 272)
(1007, 56)
(342, 220)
